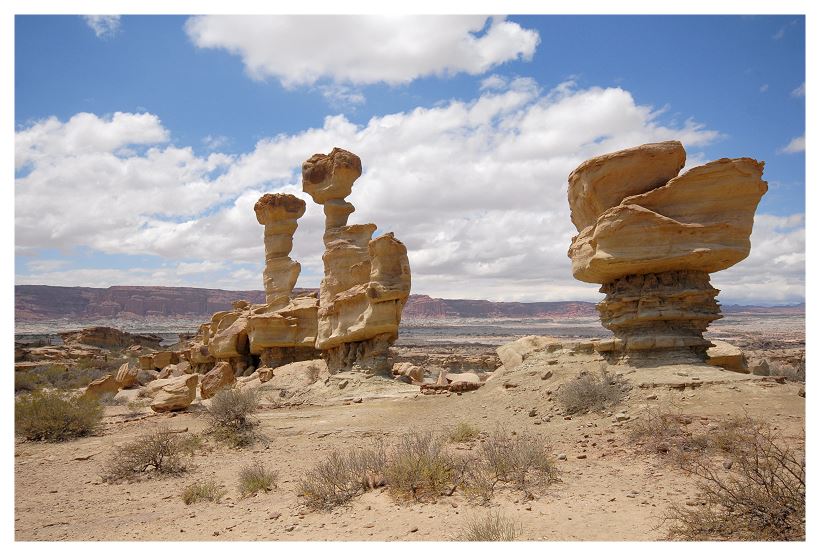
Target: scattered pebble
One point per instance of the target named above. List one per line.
(562, 457)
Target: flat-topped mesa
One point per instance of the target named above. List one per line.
(651, 237)
(278, 212)
(366, 282)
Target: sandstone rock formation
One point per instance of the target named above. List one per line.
(221, 376)
(651, 238)
(366, 282)
(723, 354)
(110, 338)
(127, 375)
(173, 394)
(272, 334)
(104, 385)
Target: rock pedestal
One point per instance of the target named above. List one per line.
(366, 282)
(278, 213)
(651, 237)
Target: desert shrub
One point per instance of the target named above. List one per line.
(25, 381)
(492, 526)
(256, 478)
(202, 491)
(463, 432)
(521, 461)
(592, 391)
(190, 444)
(419, 466)
(109, 398)
(762, 496)
(231, 417)
(159, 452)
(54, 417)
(342, 476)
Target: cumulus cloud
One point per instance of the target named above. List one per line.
(475, 189)
(796, 145)
(104, 26)
(363, 49)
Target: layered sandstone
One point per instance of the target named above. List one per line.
(651, 238)
(366, 281)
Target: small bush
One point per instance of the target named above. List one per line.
(202, 491)
(230, 416)
(463, 432)
(522, 461)
(491, 527)
(342, 476)
(158, 452)
(25, 381)
(762, 496)
(53, 417)
(419, 466)
(592, 392)
(256, 478)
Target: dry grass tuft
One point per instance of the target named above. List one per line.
(492, 526)
(203, 491)
(592, 391)
(55, 417)
(463, 432)
(158, 452)
(419, 467)
(256, 478)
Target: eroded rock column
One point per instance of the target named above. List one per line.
(366, 282)
(279, 212)
(651, 238)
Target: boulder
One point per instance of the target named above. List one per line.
(146, 375)
(104, 385)
(147, 362)
(164, 358)
(221, 376)
(761, 368)
(127, 375)
(174, 394)
(723, 354)
(514, 353)
(264, 374)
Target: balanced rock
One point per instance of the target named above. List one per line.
(651, 238)
(174, 394)
(366, 281)
(221, 376)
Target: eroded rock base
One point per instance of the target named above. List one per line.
(665, 310)
(371, 356)
(277, 357)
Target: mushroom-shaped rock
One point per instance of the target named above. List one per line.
(651, 238)
(278, 212)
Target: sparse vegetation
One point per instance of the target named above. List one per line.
(256, 478)
(342, 476)
(77, 374)
(761, 496)
(55, 417)
(419, 466)
(159, 452)
(592, 391)
(492, 526)
(203, 491)
(231, 417)
(521, 461)
(463, 432)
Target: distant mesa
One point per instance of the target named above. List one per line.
(651, 238)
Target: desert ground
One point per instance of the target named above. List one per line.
(609, 485)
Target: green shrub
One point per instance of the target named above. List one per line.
(419, 466)
(158, 452)
(231, 417)
(202, 491)
(463, 432)
(256, 478)
(54, 417)
(592, 391)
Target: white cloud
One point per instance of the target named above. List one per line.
(214, 142)
(799, 91)
(476, 190)
(363, 49)
(796, 145)
(104, 26)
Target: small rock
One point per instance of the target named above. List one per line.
(357, 400)
(414, 529)
(652, 397)
(727, 464)
(562, 457)
(510, 385)
(546, 375)
(533, 412)
(343, 384)
(619, 417)
(274, 515)
(582, 456)
(290, 528)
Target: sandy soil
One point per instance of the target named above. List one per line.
(616, 492)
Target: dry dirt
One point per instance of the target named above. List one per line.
(609, 488)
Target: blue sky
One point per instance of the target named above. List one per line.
(142, 141)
